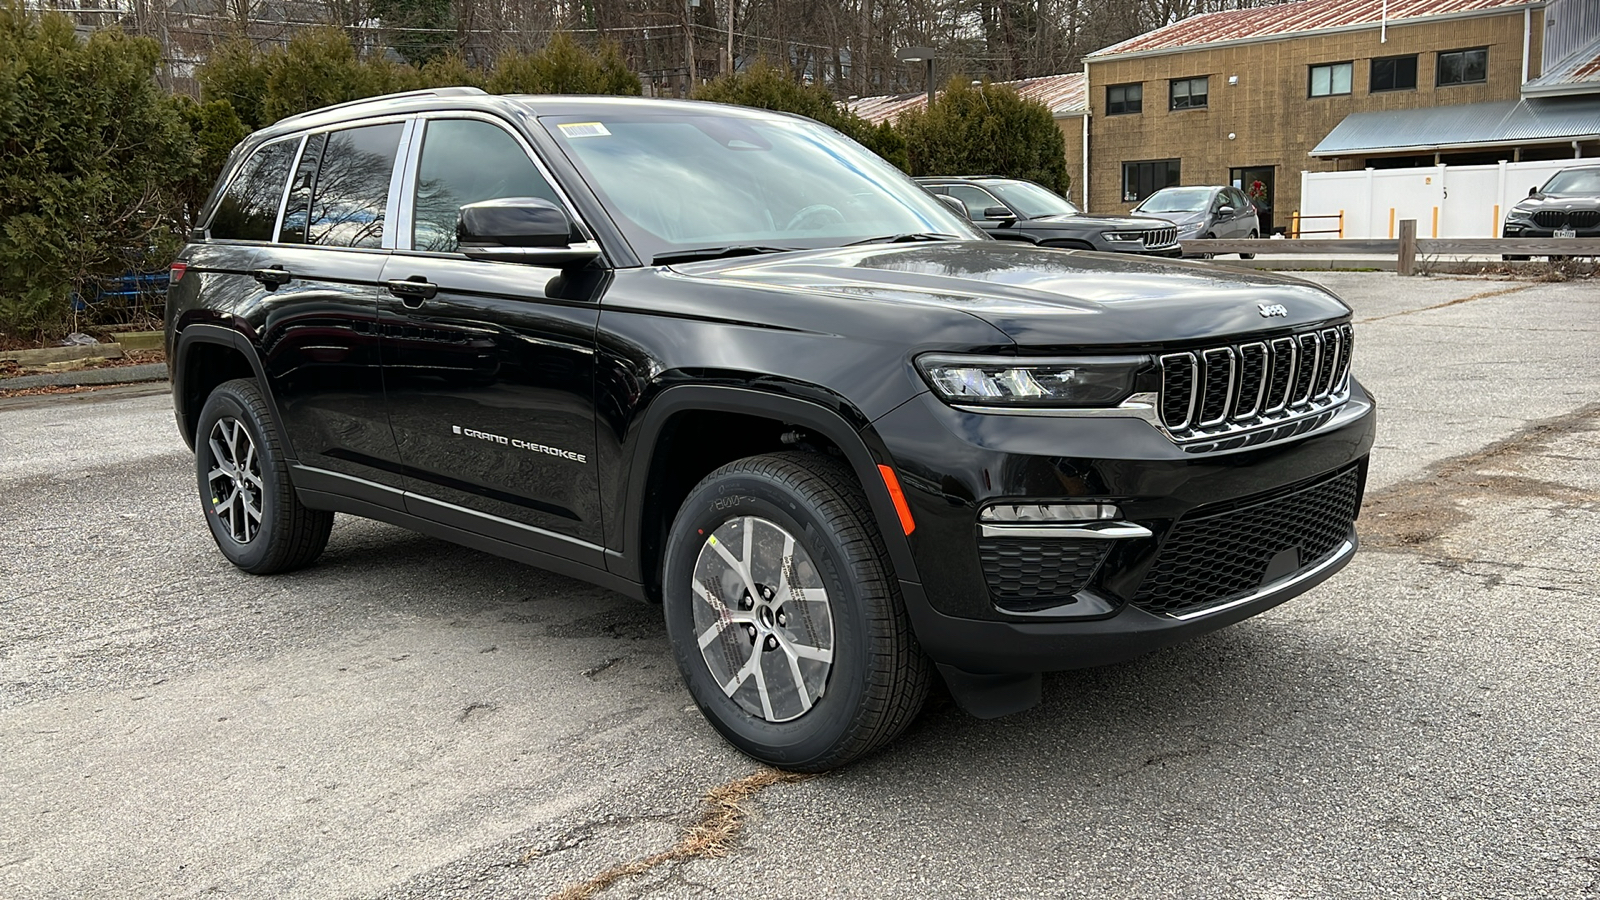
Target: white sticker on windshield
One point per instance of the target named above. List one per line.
(584, 129)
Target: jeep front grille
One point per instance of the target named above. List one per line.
(1161, 237)
(1236, 388)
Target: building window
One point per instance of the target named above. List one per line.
(1464, 66)
(1122, 99)
(1189, 93)
(1330, 79)
(1394, 73)
(1141, 179)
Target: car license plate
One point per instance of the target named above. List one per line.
(1566, 232)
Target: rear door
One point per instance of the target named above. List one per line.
(489, 366)
(316, 316)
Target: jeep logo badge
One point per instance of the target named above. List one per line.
(1272, 309)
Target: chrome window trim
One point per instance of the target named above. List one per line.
(420, 138)
(1345, 549)
(391, 209)
(288, 188)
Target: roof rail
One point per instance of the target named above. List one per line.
(426, 92)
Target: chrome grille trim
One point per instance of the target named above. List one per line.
(1215, 386)
(1303, 379)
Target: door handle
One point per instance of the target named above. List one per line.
(273, 277)
(412, 291)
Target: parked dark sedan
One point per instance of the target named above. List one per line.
(1016, 210)
(1205, 212)
(1568, 205)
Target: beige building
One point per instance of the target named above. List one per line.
(1254, 97)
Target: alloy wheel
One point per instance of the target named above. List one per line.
(762, 618)
(235, 479)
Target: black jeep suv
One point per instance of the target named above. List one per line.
(1011, 209)
(728, 361)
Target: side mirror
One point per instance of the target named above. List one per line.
(1225, 210)
(999, 213)
(523, 229)
(959, 207)
(1532, 191)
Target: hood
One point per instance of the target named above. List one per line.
(1105, 223)
(1042, 297)
(1558, 201)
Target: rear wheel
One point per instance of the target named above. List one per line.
(785, 620)
(255, 517)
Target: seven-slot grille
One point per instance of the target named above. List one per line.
(1575, 218)
(1221, 390)
(1161, 237)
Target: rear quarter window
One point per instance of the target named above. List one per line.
(248, 210)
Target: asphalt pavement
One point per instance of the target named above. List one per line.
(410, 719)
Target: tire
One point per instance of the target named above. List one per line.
(1206, 237)
(1253, 236)
(255, 516)
(839, 673)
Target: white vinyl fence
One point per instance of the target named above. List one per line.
(1446, 201)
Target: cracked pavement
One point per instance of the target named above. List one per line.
(409, 719)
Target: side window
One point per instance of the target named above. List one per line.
(298, 209)
(976, 200)
(465, 161)
(248, 209)
(352, 187)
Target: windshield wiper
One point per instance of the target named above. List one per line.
(672, 256)
(907, 238)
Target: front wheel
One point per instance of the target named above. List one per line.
(256, 519)
(785, 619)
(1253, 236)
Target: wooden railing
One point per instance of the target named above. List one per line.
(1406, 248)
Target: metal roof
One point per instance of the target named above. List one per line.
(1504, 123)
(1066, 95)
(1577, 74)
(1290, 19)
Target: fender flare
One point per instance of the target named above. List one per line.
(862, 447)
(205, 333)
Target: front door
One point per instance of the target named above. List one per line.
(1257, 183)
(489, 366)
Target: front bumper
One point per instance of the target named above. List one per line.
(951, 463)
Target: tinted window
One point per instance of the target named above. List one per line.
(1464, 66)
(248, 209)
(1124, 98)
(465, 161)
(1397, 73)
(352, 187)
(1330, 79)
(1032, 200)
(1141, 179)
(976, 200)
(299, 204)
(1190, 93)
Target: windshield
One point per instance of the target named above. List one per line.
(686, 181)
(1032, 200)
(1574, 181)
(1169, 200)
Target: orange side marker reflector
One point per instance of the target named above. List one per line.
(893, 484)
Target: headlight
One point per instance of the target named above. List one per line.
(1519, 215)
(1009, 381)
(1123, 236)
(1189, 230)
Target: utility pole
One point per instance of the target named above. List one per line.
(728, 58)
(688, 44)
